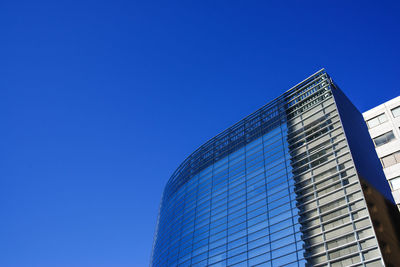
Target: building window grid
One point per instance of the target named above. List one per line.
(299, 133)
(266, 192)
(335, 228)
(317, 138)
(328, 194)
(181, 232)
(373, 260)
(314, 92)
(308, 202)
(227, 204)
(246, 201)
(180, 170)
(328, 177)
(377, 120)
(210, 212)
(318, 200)
(316, 147)
(296, 90)
(327, 104)
(306, 183)
(352, 243)
(360, 253)
(342, 258)
(240, 166)
(323, 196)
(169, 237)
(353, 223)
(313, 182)
(303, 87)
(195, 156)
(313, 151)
(249, 118)
(357, 239)
(190, 201)
(333, 153)
(309, 103)
(330, 104)
(202, 220)
(328, 161)
(224, 204)
(319, 214)
(305, 92)
(302, 138)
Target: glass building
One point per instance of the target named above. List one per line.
(296, 183)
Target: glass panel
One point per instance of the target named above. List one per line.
(397, 156)
(384, 138)
(389, 136)
(380, 140)
(388, 161)
(395, 183)
(373, 122)
(382, 118)
(396, 112)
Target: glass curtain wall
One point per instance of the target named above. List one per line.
(242, 209)
(279, 188)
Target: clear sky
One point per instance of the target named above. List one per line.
(100, 101)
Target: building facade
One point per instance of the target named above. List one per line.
(289, 185)
(384, 127)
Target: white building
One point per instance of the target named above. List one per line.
(384, 127)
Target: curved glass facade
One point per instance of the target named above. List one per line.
(279, 188)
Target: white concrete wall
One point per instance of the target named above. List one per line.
(392, 124)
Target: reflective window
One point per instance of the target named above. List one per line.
(395, 183)
(391, 159)
(396, 112)
(377, 120)
(384, 138)
(270, 194)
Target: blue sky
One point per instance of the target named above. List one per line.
(102, 100)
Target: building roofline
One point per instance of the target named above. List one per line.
(241, 123)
